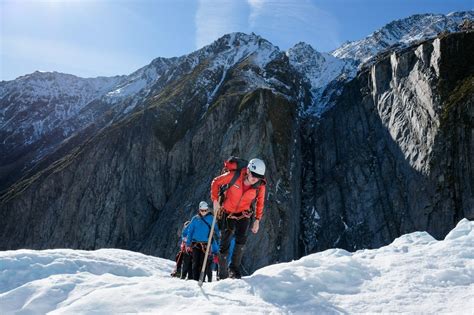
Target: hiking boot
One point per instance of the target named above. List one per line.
(223, 272)
(176, 273)
(234, 273)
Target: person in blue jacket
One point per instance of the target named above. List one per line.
(198, 234)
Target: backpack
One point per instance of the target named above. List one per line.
(236, 165)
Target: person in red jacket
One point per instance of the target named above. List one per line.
(235, 212)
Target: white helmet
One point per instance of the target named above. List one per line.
(203, 205)
(257, 167)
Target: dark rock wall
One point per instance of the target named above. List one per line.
(395, 153)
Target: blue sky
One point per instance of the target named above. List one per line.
(92, 38)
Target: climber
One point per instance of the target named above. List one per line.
(233, 194)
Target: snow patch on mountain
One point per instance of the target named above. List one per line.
(402, 32)
(235, 47)
(231, 49)
(137, 84)
(53, 85)
(319, 69)
(35, 104)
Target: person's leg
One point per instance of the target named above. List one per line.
(241, 229)
(209, 269)
(197, 261)
(186, 268)
(190, 266)
(227, 232)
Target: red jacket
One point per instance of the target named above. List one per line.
(236, 200)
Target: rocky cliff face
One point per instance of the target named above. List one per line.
(392, 155)
(395, 153)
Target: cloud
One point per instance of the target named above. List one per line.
(215, 18)
(282, 22)
(257, 7)
(294, 21)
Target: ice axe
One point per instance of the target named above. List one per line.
(209, 242)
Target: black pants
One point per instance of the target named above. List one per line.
(187, 267)
(199, 251)
(230, 227)
(209, 268)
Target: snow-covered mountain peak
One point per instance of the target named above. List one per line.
(402, 32)
(46, 85)
(320, 69)
(223, 53)
(235, 47)
(238, 40)
(303, 53)
(35, 105)
(222, 56)
(302, 48)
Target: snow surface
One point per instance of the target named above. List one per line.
(414, 274)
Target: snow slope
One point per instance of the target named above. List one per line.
(414, 274)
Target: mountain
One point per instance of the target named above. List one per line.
(326, 73)
(356, 155)
(39, 112)
(414, 274)
(402, 33)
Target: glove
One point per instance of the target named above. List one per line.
(219, 213)
(217, 210)
(215, 259)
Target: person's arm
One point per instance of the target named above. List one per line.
(259, 209)
(190, 233)
(260, 203)
(184, 234)
(217, 183)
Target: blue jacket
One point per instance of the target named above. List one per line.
(198, 231)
